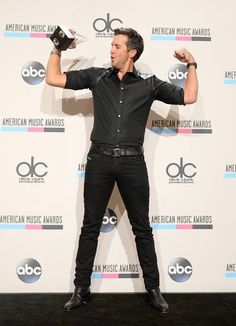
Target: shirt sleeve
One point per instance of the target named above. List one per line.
(80, 79)
(167, 92)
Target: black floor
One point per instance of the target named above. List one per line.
(211, 309)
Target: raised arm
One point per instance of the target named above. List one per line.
(191, 83)
(54, 76)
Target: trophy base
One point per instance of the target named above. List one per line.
(62, 38)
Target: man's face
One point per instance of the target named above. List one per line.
(119, 51)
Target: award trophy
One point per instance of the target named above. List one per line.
(62, 38)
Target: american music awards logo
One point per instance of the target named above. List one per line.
(14, 30)
(170, 33)
(22, 124)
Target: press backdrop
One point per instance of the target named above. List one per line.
(189, 150)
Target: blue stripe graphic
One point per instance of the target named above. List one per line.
(229, 81)
(229, 275)
(12, 227)
(163, 226)
(12, 129)
(80, 174)
(163, 38)
(229, 175)
(96, 275)
(16, 34)
(163, 131)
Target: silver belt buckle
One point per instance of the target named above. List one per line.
(116, 152)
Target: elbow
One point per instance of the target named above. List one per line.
(49, 80)
(56, 80)
(190, 98)
(191, 93)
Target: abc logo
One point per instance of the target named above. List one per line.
(33, 72)
(180, 269)
(109, 221)
(29, 270)
(101, 25)
(178, 74)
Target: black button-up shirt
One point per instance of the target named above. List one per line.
(121, 107)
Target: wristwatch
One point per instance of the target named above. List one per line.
(192, 64)
(56, 52)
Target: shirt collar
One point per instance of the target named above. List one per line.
(113, 71)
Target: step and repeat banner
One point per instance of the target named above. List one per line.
(189, 150)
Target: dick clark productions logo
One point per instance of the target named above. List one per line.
(32, 169)
(105, 25)
(181, 170)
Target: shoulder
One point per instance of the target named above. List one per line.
(93, 71)
(144, 75)
(103, 72)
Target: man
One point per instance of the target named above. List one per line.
(122, 99)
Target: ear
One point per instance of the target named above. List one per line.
(132, 53)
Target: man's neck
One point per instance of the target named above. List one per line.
(127, 68)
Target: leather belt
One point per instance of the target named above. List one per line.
(117, 151)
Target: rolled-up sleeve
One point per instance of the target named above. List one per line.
(84, 78)
(167, 92)
(77, 79)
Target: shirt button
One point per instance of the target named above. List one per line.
(121, 101)
(119, 115)
(122, 88)
(118, 130)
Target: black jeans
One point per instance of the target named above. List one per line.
(130, 174)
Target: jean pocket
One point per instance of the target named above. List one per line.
(93, 156)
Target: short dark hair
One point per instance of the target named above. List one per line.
(135, 40)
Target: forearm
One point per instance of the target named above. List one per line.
(191, 83)
(191, 86)
(54, 76)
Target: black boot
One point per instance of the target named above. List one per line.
(79, 297)
(155, 299)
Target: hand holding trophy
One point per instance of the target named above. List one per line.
(64, 38)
